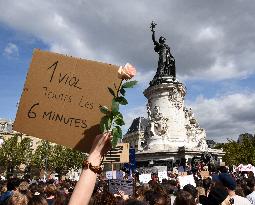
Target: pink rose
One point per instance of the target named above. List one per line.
(127, 72)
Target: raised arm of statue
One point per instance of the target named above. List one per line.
(153, 38)
(153, 25)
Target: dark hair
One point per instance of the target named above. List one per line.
(60, 199)
(134, 202)
(13, 184)
(37, 200)
(239, 191)
(191, 189)
(184, 198)
(50, 190)
(223, 169)
(17, 199)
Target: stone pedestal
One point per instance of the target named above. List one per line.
(165, 107)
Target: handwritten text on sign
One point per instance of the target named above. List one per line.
(61, 97)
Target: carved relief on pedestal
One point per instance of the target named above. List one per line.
(196, 135)
(158, 123)
(176, 96)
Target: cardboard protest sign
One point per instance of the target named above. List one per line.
(205, 174)
(182, 173)
(61, 98)
(119, 154)
(126, 186)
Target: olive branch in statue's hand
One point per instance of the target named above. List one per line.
(113, 119)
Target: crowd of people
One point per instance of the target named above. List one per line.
(221, 187)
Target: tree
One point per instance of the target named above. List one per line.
(241, 152)
(41, 156)
(64, 159)
(57, 158)
(15, 151)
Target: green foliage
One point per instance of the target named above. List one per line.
(113, 119)
(57, 158)
(18, 150)
(41, 156)
(105, 123)
(15, 151)
(112, 92)
(121, 100)
(129, 84)
(115, 106)
(241, 152)
(105, 110)
(123, 91)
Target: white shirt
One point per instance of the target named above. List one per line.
(238, 200)
(251, 197)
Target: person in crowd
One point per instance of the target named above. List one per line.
(37, 200)
(207, 184)
(24, 189)
(17, 199)
(230, 185)
(60, 198)
(184, 198)
(50, 192)
(251, 185)
(192, 190)
(217, 195)
(12, 186)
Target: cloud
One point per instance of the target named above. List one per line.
(132, 113)
(226, 116)
(11, 50)
(208, 39)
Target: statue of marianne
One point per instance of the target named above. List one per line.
(166, 62)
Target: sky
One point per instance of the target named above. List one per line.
(213, 43)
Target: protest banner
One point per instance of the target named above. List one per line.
(61, 98)
(184, 180)
(162, 172)
(144, 178)
(118, 154)
(126, 186)
(115, 174)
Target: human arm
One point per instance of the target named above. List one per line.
(85, 186)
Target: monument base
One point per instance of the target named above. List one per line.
(170, 158)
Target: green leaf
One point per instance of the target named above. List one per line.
(123, 91)
(117, 134)
(119, 121)
(121, 100)
(119, 131)
(114, 141)
(105, 124)
(129, 84)
(115, 107)
(104, 110)
(119, 115)
(112, 92)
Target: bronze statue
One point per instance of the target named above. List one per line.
(166, 62)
